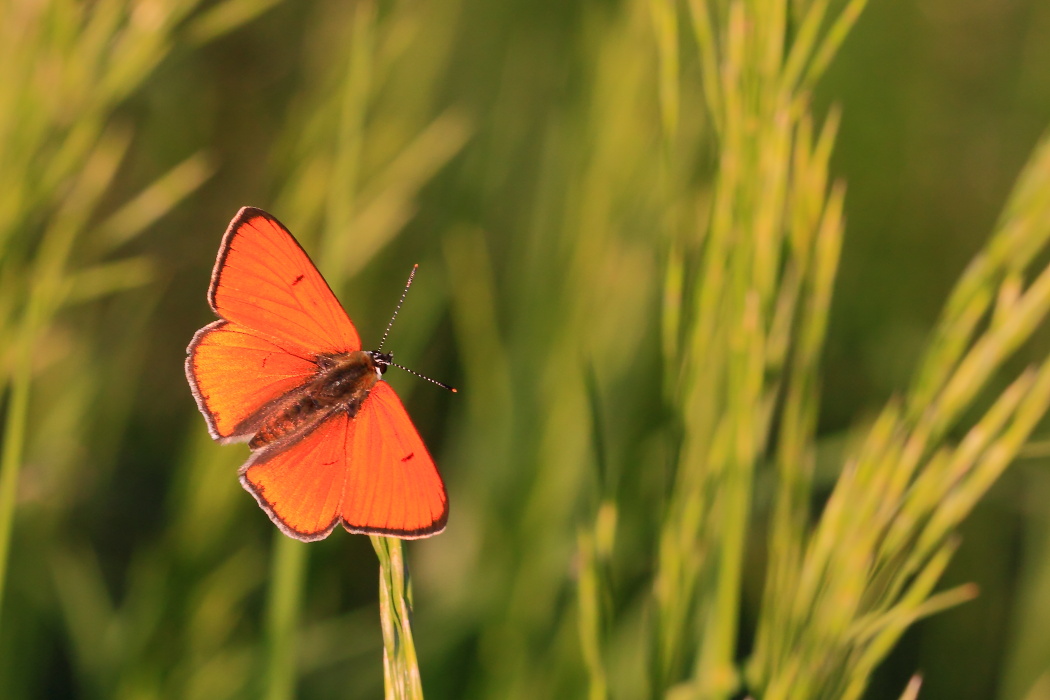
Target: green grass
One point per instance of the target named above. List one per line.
(696, 451)
(65, 70)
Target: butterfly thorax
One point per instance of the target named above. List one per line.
(342, 383)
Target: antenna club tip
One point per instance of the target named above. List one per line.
(415, 266)
(454, 390)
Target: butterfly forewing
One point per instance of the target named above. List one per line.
(265, 281)
(235, 371)
(279, 315)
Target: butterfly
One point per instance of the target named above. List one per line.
(283, 369)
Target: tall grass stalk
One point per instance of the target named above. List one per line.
(868, 569)
(18, 382)
(764, 259)
(400, 665)
(282, 623)
(873, 563)
(838, 596)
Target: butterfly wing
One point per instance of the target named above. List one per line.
(393, 485)
(234, 372)
(301, 485)
(265, 281)
(278, 315)
(372, 472)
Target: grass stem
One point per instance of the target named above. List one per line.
(400, 665)
(287, 577)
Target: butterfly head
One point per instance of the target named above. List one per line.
(382, 360)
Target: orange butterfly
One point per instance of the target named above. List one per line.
(283, 369)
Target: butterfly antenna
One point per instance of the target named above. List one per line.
(423, 376)
(411, 276)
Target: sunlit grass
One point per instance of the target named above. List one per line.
(629, 231)
(65, 69)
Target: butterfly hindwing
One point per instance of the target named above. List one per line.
(372, 472)
(301, 485)
(394, 487)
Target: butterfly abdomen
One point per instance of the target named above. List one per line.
(342, 383)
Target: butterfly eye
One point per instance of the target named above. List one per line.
(383, 360)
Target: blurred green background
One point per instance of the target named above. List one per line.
(476, 139)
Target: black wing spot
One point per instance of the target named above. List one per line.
(264, 362)
(327, 464)
(409, 456)
(297, 280)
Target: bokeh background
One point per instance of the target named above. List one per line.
(487, 142)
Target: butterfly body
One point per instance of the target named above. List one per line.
(342, 384)
(283, 370)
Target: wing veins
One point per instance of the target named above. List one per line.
(317, 279)
(289, 319)
(263, 335)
